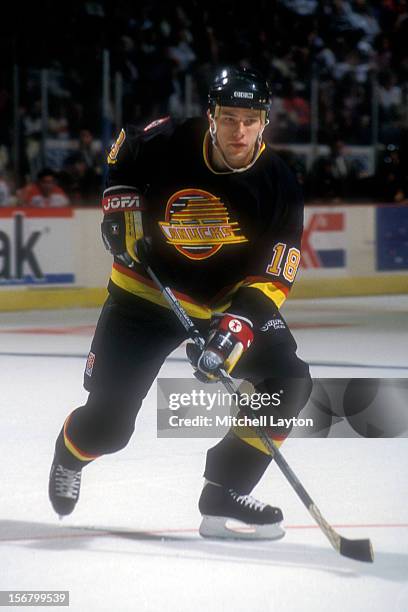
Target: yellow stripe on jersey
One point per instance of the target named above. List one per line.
(274, 291)
(145, 289)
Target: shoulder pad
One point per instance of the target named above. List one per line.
(137, 133)
(135, 136)
(156, 127)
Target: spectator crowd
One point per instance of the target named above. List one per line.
(353, 51)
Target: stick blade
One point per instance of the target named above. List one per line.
(360, 550)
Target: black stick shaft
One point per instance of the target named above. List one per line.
(227, 381)
(360, 550)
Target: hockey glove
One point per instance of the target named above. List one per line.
(228, 338)
(122, 224)
(113, 229)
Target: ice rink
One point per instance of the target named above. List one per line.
(132, 543)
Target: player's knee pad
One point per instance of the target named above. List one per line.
(291, 393)
(279, 399)
(109, 422)
(288, 376)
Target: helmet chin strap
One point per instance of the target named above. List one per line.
(213, 134)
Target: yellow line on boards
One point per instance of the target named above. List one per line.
(42, 299)
(353, 286)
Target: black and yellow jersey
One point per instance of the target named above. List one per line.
(218, 239)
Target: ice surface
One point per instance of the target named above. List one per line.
(132, 542)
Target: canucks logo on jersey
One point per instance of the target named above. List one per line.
(198, 225)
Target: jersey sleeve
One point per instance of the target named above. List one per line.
(131, 158)
(123, 203)
(276, 256)
(124, 162)
(122, 207)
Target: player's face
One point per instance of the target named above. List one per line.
(237, 133)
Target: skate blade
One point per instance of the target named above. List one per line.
(226, 528)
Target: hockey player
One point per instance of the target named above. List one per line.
(222, 216)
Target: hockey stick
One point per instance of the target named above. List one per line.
(360, 550)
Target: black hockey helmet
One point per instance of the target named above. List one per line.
(239, 87)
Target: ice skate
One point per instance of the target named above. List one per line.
(227, 514)
(63, 489)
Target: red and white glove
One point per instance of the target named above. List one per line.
(228, 338)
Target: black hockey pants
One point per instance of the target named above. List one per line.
(128, 349)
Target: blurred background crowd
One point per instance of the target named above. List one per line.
(73, 73)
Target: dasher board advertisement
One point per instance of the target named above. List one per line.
(36, 247)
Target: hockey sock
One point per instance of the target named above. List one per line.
(233, 463)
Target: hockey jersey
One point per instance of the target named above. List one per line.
(220, 240)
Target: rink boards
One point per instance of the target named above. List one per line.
(55, 258)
